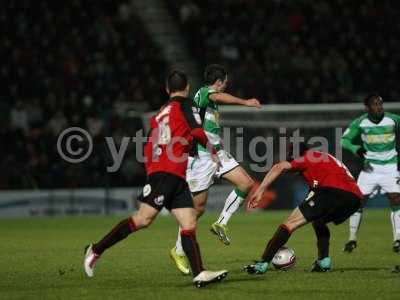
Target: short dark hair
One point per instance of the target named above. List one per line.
(214, 72)
(177, 80)
(370, 98)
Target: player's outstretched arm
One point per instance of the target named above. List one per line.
(274, 173)
(226, 98)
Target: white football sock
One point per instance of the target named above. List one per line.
(232, 204)
(355, 221)
(178, 245)
(395, 218)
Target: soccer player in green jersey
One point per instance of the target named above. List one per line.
(202, 170)
(379, 133)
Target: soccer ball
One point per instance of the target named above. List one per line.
(284, 258)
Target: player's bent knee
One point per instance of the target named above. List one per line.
(147, 222)
(188, 221)
(199, 206)
(295, 221)
(142, 222)
(289, 226)
(200, 210)
(189, 226)
(249, 184)
(246, 184)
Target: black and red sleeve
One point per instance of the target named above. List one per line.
(187, 111)
(196, 130)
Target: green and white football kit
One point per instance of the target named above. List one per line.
(202, 169)
(380, 143)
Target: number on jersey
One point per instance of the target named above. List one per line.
(164, 131)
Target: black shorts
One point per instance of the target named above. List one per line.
(166, 190)
(329, 205)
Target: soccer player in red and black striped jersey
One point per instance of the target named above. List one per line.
(173, 131)
(334, 196)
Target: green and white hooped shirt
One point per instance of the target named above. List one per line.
(379, 140)
(209, 115)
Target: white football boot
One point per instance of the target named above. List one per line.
(206, 277)
(90, 260)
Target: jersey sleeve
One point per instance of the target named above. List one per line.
(393, 116)
(201, 99)
(210, 92)
(349, 135)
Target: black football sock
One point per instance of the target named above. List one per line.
(279, 239)
(118, 233)
(323, 236)
(192, 251)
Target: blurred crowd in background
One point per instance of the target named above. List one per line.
(288, 51)
(72, 63)
(92, 64)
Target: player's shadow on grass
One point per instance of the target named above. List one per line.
(360, 269)
(236, 279)
(233, 280)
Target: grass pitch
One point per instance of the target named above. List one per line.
(42, 259)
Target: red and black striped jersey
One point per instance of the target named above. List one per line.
(172, 133)
(321, 169)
